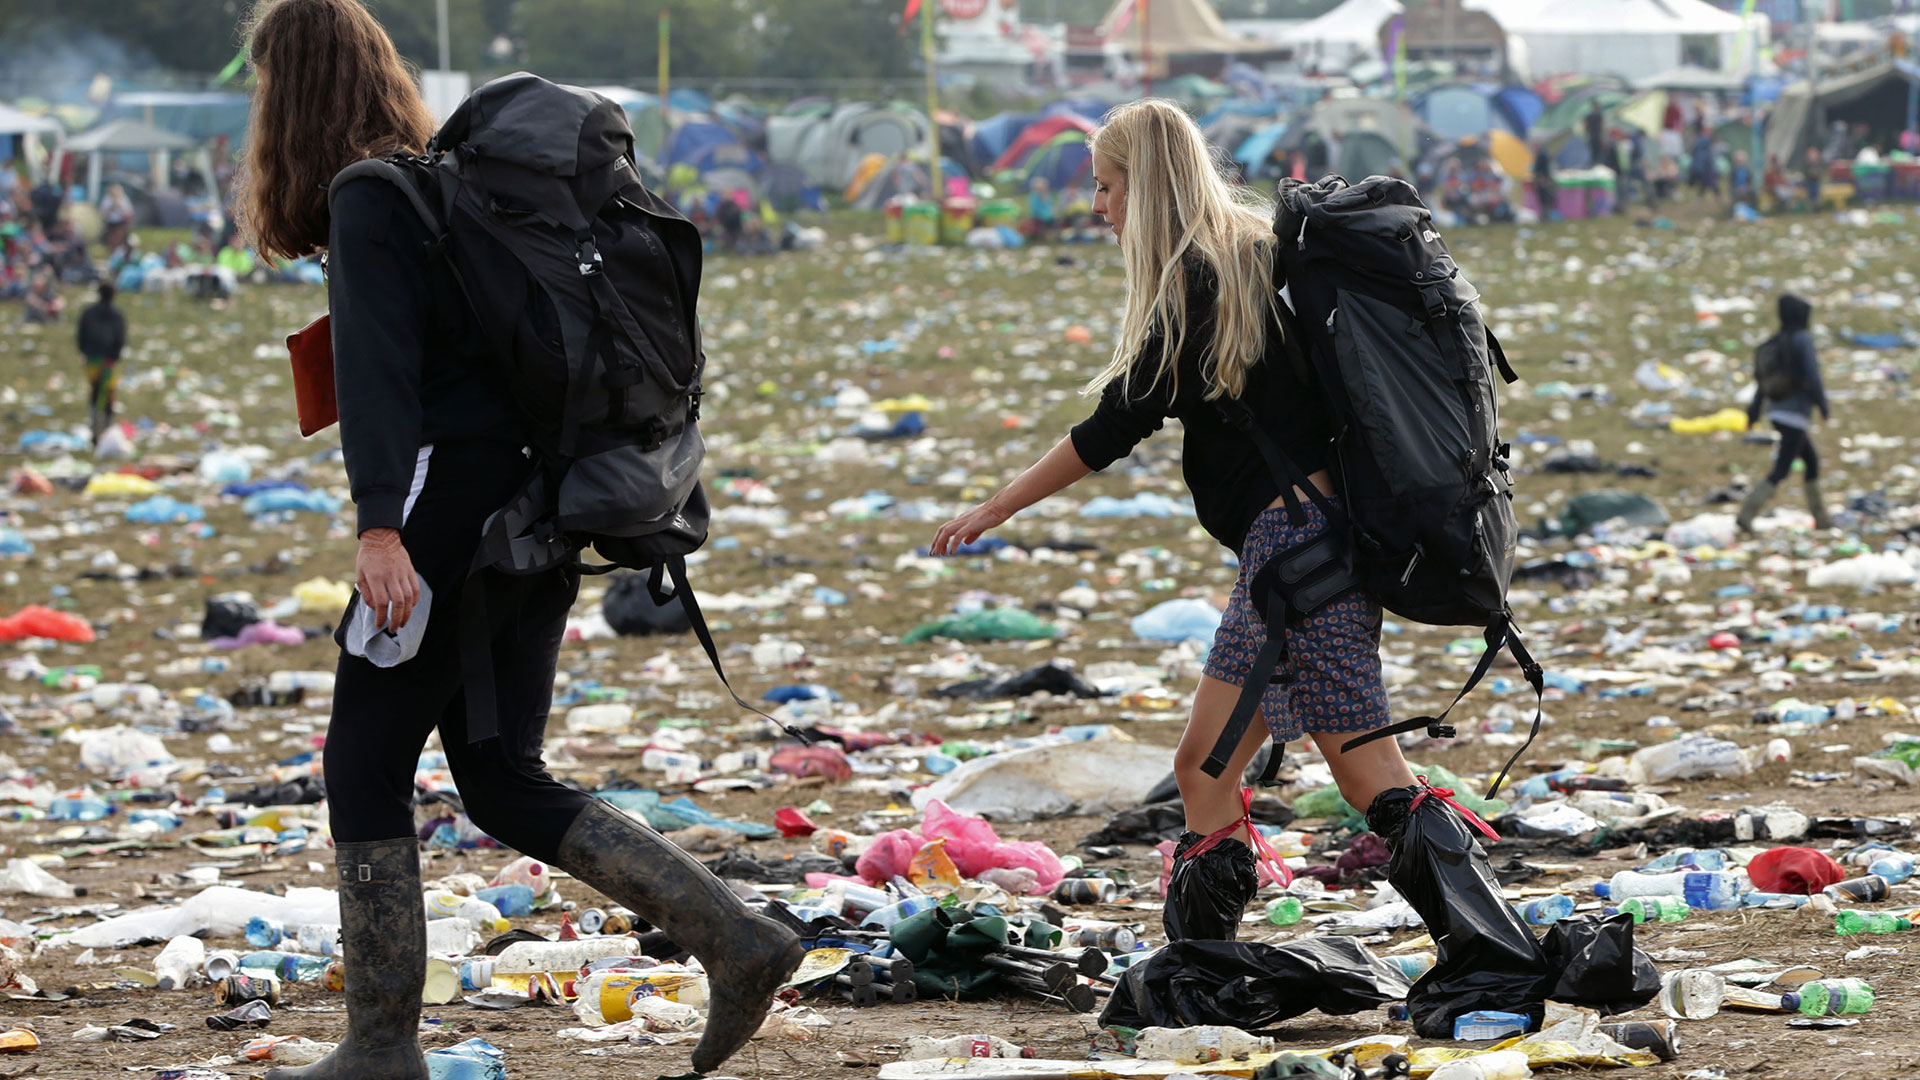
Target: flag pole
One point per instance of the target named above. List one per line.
(933, 99)
(1146, 47)
(666, 55)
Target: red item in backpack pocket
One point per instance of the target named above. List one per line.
(1798, 870)
(311, 350)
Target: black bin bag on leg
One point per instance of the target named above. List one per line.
(1487, 957)
(1208, 892)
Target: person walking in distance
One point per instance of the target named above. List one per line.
(433, 447)
(102, 338)
(1789, 363)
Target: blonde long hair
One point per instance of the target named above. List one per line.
(1178, 202)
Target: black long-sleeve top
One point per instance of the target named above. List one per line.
(1809, 393)
(102, 332)
(408, 362)
(1231, 483)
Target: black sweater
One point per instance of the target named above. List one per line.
(1231, 483)
(1809, 392)
(409, 366)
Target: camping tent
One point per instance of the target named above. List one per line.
(992, 136)
(827, 144)
(1877, 97)
(1063, 160)
(129, 137)
(1349, 33)
(199, 115)
(706, 144)
(1037, 134)
(13, 123)
(1171, 30)
(1457, 111)
(1634, 39)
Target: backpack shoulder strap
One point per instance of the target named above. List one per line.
(385, 169)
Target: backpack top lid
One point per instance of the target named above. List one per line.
(525, 120)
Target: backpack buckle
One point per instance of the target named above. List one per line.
(588, 258)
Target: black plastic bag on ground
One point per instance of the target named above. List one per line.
(1207, 893)
(629, 608)
(227, 615)
(1489, 959)
(1592, 963)
(1050, 677)
(1249, 985)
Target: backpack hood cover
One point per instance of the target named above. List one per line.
(558, 130)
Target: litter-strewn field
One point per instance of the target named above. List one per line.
(1667, 625)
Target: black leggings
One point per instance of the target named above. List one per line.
(382, 716)
(1794, 443)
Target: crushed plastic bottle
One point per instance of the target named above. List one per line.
(932, 1047)
(1198, 1045)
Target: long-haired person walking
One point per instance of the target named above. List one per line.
(1201, 328)
(433, 447)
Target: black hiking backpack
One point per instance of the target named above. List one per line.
(532, 194)
(1387, 329)
(1773, 369)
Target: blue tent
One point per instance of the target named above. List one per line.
(1522, 106)
(1092, 108)
(992, 136)
(1063, 160)
(1259, 145)
(1457, 112)
(706, 145)
(688, 100)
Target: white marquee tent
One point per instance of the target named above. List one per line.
(1342, 37)
(1634, 39)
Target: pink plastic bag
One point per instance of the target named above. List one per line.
(889, 855)
(976, 848)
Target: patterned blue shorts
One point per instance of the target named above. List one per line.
(1333, 655)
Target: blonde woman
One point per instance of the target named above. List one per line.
(1202, 325)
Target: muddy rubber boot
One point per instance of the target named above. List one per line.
(383, 926)
(1487, 958)
(1817, 505)
(1750, 506)
(1206, 893)
(747, 956)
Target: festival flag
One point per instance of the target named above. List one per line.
(913, 8)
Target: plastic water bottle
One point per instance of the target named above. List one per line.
(1413, 965)
(528, 957)
(893, 913)
(1285, 910)
(83, 807)
(480, 914)
(1546, 910)
(312, 682)
(1656, 909)
(286, 966)
(1773, 899)
(178, 962)
(475, 1059)
(926, 1047)
(1895, 867)
(513, 901)
(525, 870)
(1713, 890)
(1830, 997)
(1871, 922)
(1198, 1045)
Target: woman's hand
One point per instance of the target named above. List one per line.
(968, 527)
(384, 575)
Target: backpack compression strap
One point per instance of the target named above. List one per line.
(1501, 632)
(676, 568)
